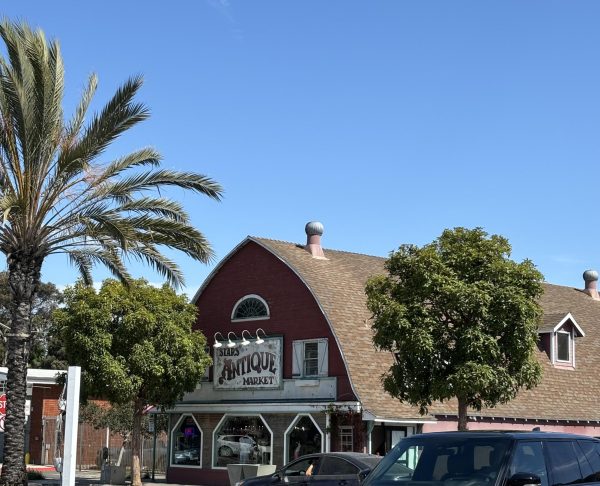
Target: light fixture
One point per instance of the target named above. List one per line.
(231, 344)
(217, 343)
(259, 340)
(245, 342)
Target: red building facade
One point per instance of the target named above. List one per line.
(302, 401)
(295, 371)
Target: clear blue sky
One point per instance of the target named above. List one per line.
(388, 121)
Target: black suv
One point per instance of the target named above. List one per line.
(490, 459)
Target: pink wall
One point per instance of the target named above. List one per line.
(452, 425)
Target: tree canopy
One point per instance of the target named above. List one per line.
(135, 345)
(461, 318)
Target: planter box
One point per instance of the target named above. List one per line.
(112, 474)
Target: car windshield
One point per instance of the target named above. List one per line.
(431, 460)
(371, 461)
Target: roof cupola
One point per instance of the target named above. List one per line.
(314, 230)
(591, 283)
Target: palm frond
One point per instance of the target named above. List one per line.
(160, 178)
(158, 206)
(159, 262)
(82, 261)
(145, 156)
(74, 126)
(108, 257)
(119, 114)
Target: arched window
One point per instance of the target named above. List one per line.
(186, 442)
(250, 307)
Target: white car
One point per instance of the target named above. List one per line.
(236, 445)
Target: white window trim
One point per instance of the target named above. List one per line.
(183, 416)
(571, 347)
(212, 447)
(289, 429)
(259, 318)
(351, 429)
(325, 345)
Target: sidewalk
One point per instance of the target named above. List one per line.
(88, 477)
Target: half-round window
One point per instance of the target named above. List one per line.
(250, 307)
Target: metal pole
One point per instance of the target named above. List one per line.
(154, 449)
(327, 432)
(72, 421)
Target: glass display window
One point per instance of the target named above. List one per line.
(303, 437)
(186, 442)
(242, 439)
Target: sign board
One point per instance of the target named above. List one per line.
(251, 367)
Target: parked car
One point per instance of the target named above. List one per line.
(323, 469)
(236, 445)
(490, 458)
(187, 456)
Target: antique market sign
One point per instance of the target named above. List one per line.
(255, 366)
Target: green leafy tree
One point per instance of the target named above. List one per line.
(461, 318)
(61, 193)
(44, 352)
(135, 345)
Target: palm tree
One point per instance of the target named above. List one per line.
(57, 196)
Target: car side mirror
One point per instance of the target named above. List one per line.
(524, 479)
(363, 474)
(275, 478)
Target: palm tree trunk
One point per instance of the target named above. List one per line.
(463, 419)
(24, 278)
(136, 445)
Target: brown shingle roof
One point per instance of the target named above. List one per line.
(338, 285)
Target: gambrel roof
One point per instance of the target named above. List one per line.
(338, 285)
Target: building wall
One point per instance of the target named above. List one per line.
(294, 311)
(206, 474)
(44, 403)
(294, 315)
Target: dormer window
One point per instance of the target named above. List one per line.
(558, 335)
(563, 346)
(250, 307)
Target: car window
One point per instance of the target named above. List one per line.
(564, 466)
(590, 452)
(475, 461)
(298, 468)
(337, 465)
(528, 458)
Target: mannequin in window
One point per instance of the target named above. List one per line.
(297, 450)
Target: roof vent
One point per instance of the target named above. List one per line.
(591, 283)
(314, 230)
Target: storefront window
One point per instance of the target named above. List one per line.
(242, 440)
(187, 441)
(303, 437)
